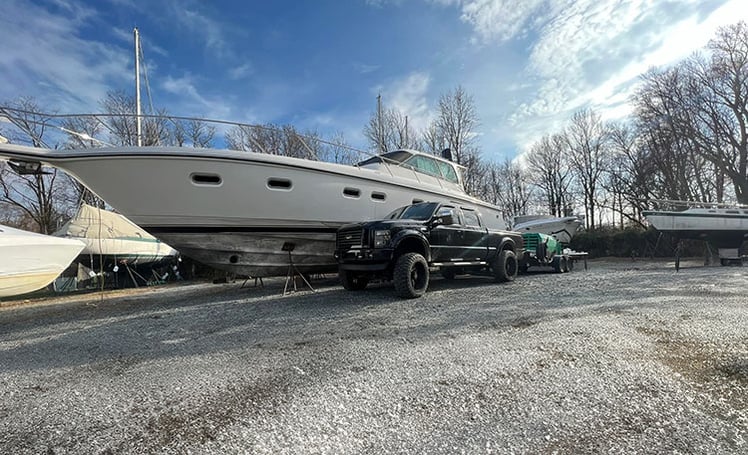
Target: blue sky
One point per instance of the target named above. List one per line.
(320, 64)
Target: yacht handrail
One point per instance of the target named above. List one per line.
(697, 204)
(14, 116)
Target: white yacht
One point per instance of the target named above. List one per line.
(724, 227)
(251, 213)
(562, 229)
(30, 261)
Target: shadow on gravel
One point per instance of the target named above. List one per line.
(195, 320)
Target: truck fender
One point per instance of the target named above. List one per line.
(505, 243)
(412, 241)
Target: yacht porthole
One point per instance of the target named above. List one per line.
(206, 179)
(275, 183)
(354, 193)
(234, 259)
(377, 196)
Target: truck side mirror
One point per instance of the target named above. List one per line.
(445, 219)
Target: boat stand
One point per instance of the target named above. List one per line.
(258, 279)
(293, 271)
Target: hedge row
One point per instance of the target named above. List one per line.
(632, 242)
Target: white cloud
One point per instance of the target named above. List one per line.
(54, 64)
(241, 71)
(409, 95)
(589, 53)
(498, 19)
(191, 101)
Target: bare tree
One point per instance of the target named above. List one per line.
(549, 170)
(390, 131)
(432, 139)
(587, 137)
(457, 121)
(39, 196)
(719, 105)
(509, 187)
(196, 132)
(274, 140)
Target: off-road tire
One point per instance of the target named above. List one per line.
(411, 275)
(505, 266)
(353, 281)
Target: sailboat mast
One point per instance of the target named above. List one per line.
(137, 87)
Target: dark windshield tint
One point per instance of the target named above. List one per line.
(395, 214)
(391, 157)
(422, 211)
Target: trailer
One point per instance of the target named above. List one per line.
(542, 250)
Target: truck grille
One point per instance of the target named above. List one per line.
(349, 238)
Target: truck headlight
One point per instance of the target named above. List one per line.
(381, 239)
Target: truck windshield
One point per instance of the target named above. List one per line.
(422, 211)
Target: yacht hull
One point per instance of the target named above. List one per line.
(31, 261)
(237, 210)
(717, 226)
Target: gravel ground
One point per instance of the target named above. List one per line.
(627, 357)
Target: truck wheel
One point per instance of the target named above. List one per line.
(505, 266)
(352, 281)
(411, 275)
(557, 266)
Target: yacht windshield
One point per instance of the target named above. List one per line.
(422, 211)
(391, 157)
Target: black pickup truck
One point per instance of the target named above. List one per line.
(418, 238)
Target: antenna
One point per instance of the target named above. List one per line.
(137, 87)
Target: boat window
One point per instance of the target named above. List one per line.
(206, 179)
(377, 196)
(471, 217)
(351, 192)
(448, 171)
(279, 184)
(424, 164)
(732, 211)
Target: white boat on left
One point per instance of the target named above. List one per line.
(30, 261)
(113, 239)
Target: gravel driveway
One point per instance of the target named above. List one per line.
(627, 357)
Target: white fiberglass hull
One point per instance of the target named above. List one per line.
(31, 261)
(725, 228)
(236, 210)
(562, 229)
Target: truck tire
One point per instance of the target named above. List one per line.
(353, 281)
(411, 275)
(557, 266)
(505, 266)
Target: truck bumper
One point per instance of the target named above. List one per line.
(365, 259)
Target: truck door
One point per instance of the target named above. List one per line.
(475, 236)
(446, 240)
